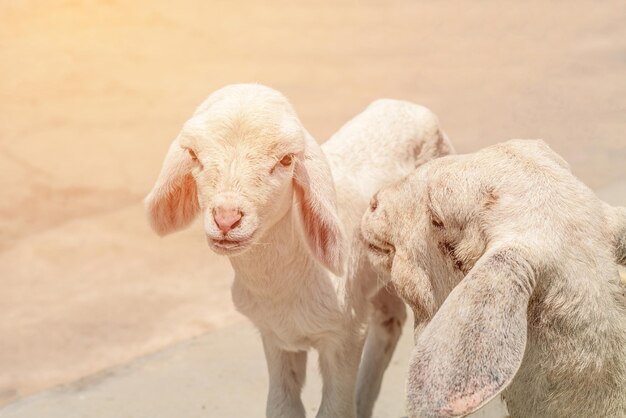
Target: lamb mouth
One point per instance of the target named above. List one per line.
(228, 245)
(384, 248)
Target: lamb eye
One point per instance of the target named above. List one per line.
(286, 160)
(436, 222)
(192, 154)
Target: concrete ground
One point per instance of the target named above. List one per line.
(220, 374)
(93, 91)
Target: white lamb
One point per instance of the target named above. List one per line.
(267, 194)
(510, 264)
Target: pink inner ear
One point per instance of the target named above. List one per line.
(465, 404)
(318, 230)
(175, 207)
(320, 227)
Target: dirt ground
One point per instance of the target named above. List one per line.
(92, 92)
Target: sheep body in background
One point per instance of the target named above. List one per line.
(286, 212)
(510, 264)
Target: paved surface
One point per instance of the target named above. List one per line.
(93, 91)
(221, 374)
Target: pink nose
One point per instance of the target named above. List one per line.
(227, 218)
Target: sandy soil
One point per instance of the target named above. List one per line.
(91, 93)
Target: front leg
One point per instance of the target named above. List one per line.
(385, 327)
(339, 365)
(287, 372)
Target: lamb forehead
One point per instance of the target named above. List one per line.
(529, 156)
(256, 128)
(440, 175)
(501, 165)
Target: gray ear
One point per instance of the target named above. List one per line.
(474, 345)
(616, 217)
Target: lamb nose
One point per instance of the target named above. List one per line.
(374, 202)
(227, 218)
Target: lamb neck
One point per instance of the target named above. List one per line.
(280, 264)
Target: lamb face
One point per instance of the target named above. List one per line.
(243, 171)
(431, 228)
(426, 234)
(239, 161)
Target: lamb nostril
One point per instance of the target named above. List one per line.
(227, 219)
(237, 222)
(374, 202)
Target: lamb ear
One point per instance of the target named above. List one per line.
(173, 202)
(315, 193)
(474, 345)
(414, 286)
